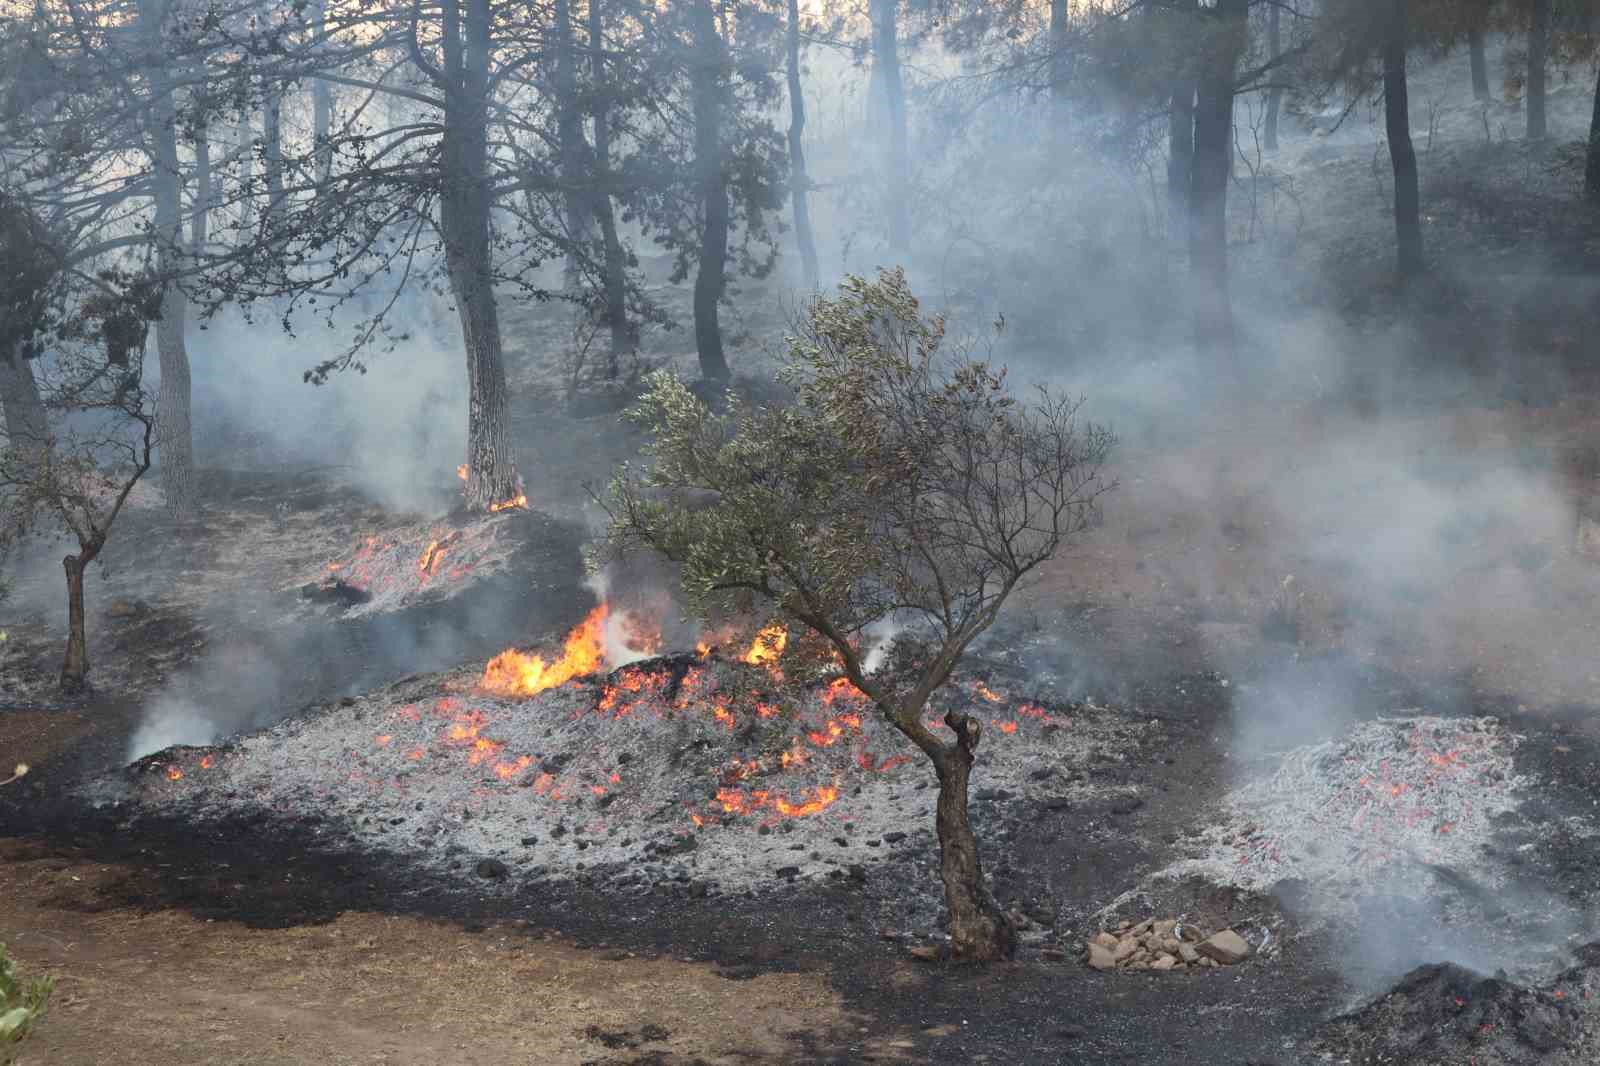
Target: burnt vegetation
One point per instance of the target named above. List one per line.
(643, 469)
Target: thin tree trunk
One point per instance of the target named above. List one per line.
(200, 222)
(886, 63)
(1538, 51)
(1059, 21)
(616, 292)
(979, 929)
(1269, 133)
(75, 666)
(246, 134)
(799, 184)
(464, 223)
(173, 433)
(1480, 65)
(1180, 147)
(1591, 170)
(1397, 118)
(272, 158)
(321, 104)
(1208, 183)
(569, 135)
(711, 277)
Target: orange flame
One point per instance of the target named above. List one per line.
(514, 673)
(518, 502)
(987, 693)
(207, 763)
(768, 645)
(461, 471)
(826, 794)
(174, 774)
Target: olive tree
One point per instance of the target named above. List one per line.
(903, 480)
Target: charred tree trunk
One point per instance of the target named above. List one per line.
(569, 137)
(1269, 133)
(246, 134)
(886, 68)
(616, 261)
(1538, 53)
(711, 277)
(1591, 170)
(799, 184)
(1397, 118)
(464, 224)
(1208, 183)
(174, 436)
(1480, 65)
(979, 930)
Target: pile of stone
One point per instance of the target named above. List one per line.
(1163, 945)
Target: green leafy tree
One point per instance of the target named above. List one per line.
(902, 481)
(21, 1006)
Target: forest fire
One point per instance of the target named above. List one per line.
(514, 673)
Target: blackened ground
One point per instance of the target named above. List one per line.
(1058, 865)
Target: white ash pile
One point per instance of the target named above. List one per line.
(409, 564)
(1384, 809)
(682, 769)
(1166, 945)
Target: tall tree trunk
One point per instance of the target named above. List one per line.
(200, 220)
(1480, 65)
(174, 436)
(321, 104)
(1060, 17)
(246, 135)
(1208, 183)
(1538, 52)
(1269, 136)
(799, 184)
(1591, 170)
(27, 428)
(1397, 118)
(711, 276)
(886, 65)
(569, 136)
(464, 224)
(272, 158)
(979, 929)
(75, 666)
(616, 264)
(1180, 146)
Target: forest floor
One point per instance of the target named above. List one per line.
(1435, 556)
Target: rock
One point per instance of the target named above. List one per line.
(1142, 928)
(925, 952)
(492, 870)
(1053, 954)
(1226, 947)
(1101, 958)
(790, 872)
(1187, 953)
(1124, 949)
(529, 842)
(1164, 928)
(1104, 939)
(1169, 945)
(1165, 962)
(1208, 962)
(893, 838)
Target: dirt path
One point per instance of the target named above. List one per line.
(164, 987)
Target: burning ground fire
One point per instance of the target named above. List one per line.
(704, 762)
(392, 570)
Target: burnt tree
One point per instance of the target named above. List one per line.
(614, 266)
(890, 84)
(1222, 43)
(1269, 132)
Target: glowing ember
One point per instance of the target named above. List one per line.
(174, 774)
(514, 673)
(383, 740)
(987, 693)
(207, 763)
(461, 471)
